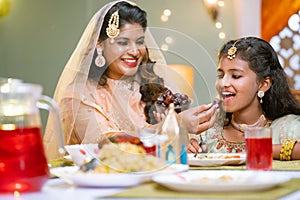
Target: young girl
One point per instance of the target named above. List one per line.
(254, 91)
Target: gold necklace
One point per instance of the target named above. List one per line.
(262, 121)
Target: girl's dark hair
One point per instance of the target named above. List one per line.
(151, 84)
(263, 60)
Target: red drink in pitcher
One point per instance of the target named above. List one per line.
(23, 165)
(259, 153)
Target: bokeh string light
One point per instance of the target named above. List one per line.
(213, 8)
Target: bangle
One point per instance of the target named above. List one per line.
(287, 149)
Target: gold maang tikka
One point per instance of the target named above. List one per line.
(231, 51)
(113, 30)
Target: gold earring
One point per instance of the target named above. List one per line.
(113, 30)
(261, 94)
(100, 60)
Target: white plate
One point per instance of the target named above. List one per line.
(80, 152)
(71, 176)
(216, 159)
(221, 181)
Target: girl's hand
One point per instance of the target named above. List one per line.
(195, 147)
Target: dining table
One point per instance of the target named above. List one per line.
(58, 189)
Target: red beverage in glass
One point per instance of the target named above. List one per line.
(23, 165)
(259, 153)
(150, 150)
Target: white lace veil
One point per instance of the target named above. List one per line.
(73, 80)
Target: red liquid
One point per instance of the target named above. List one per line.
(259, 153)
(23, 165)
(150, 150)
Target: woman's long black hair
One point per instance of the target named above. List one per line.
(263, 60)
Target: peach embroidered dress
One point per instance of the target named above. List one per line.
(88, 110)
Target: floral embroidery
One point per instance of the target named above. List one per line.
(231, 147)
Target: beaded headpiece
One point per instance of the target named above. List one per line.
(113, 30)
(232, 50)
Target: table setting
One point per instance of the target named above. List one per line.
(223, 180)
(126, 166)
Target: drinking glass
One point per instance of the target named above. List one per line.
(149, 138)
(259, 148)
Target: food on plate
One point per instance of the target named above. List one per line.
(61, 162)
(218, 156)
(121, 138)
(120, 153)
(207, 179)
(126, 157)
(118, 137)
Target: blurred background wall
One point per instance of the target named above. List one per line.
(37, 37)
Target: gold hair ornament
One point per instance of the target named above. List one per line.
(113, 30)
(231, 51)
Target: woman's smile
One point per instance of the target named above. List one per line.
(130, 62)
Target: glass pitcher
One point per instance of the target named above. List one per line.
(23, 164)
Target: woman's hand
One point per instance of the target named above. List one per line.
(199, 118)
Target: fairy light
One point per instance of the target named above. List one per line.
(213, 8)
(221, 3)
(222, 35)
(212, 2)
(219, 25)
(164, 47)
(168, 39)
(165, 16)
(167, 12)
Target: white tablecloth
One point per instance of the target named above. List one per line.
(57, 189)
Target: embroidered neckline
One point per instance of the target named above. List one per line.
(128, 83)
(231, 147)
